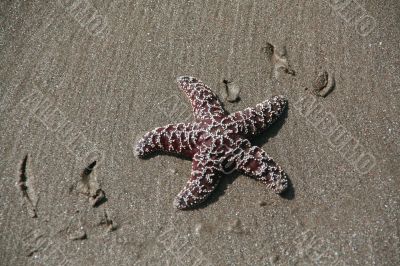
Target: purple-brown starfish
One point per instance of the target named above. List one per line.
(216, 142)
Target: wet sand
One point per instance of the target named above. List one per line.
(81, 86)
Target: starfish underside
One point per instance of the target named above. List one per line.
(217, 143)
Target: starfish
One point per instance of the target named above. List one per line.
(217, 143)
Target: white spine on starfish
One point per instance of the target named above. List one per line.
(204, 102)
(171, 138)
(253, 121)
(257, 164)
(202, 182)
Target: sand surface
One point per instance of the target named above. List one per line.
(79, 85)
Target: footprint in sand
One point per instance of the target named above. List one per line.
(323, 84)
(23, 185)
(90, 187)
(278, 58)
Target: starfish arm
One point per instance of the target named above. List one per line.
(255, 162)
(204, 179)
(171, 138)
(252, 121)
(205, 103)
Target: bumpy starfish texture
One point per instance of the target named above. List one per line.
(217, 143)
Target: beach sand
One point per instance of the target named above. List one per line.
(81, 81)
